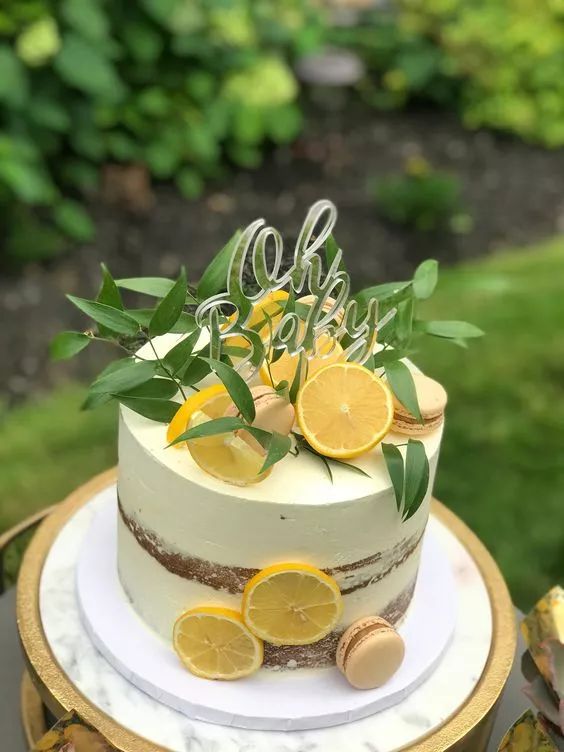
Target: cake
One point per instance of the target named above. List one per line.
(277, 450)
(187, 538)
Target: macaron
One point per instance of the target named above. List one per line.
(432, 399)
(273, 412)
(370, 652)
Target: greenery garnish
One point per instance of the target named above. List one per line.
(409, 476)
(301, 443)
(401, 382)
(150, 384)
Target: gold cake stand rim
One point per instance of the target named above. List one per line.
(60, 695)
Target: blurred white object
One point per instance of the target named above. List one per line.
(330, 67)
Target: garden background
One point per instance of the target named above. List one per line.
(142, 134)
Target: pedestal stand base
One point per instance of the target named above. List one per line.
(448, 712)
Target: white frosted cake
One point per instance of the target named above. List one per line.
(277, 453)
(187, 538)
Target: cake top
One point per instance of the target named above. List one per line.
(274, 355)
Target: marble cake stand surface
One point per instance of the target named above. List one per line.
(425, 709)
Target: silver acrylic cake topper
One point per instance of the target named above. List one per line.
(330, 313)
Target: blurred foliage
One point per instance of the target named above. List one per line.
(498, 62)
(178, 85)
(421, 198)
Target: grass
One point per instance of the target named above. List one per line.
(502, 460)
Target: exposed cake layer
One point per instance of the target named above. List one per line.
(195, 583)
(187, 539)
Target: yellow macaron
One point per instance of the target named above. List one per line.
(369, 652)
(432, 399)
(273, 412)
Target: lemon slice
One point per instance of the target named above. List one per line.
(284, 369)
(344, 410)
(273, 305)
(214, 643)
(291, 604)
(226, 456)
(195, 402)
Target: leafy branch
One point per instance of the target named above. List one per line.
(409, 476)
(400, 335)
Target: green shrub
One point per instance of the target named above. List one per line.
(498, 62)
(421, 198)
(179, 85)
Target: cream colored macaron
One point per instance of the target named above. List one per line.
(273, 412)
(432, 399)
(370, 652)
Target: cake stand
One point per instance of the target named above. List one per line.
(71, 675)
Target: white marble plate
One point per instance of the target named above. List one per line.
(427, 707)
(285, 701)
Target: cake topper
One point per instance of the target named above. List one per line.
(293, 333)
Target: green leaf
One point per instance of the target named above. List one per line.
(303, 444)
(331, 250)
(278, 447)
(160, 410)
(74, 220)
(29, 182)
(383, 292)
(82, 64)
(214, 279)
(185, 324)
(196, 370)
(109, 293)
(169, 309)
(394, 463)
(156, 388)
(158, 287)
(180, 355)
(449, 329)
(117, 321)
(125, 378)
(401, 382)
(14, 82)
(382, 357)
(144, 42)
(236, 386)
(95, 399)
(67, 344)
(297, 380)
(86, 17)
(402, 323)
(49, 113)
(211, 428)
(350, 466)
(416, 476)
(425, 279)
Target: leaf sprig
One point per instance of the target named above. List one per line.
(409, 476)
(150, 386)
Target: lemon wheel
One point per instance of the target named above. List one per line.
(291, 604)
(344, 410)
(214, 643)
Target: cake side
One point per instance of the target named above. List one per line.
(187, 539)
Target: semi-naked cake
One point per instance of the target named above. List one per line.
(186, 538)
(277, 453)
